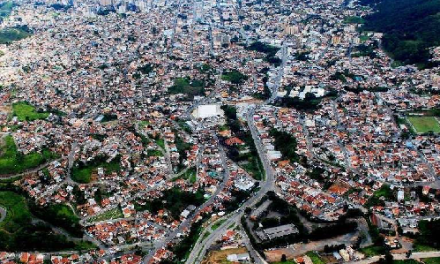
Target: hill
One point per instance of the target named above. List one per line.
(410, 28)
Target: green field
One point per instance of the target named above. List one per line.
(417, 247)
(354, 20)
(6, 8)
(316, 259)
(114, 213)
(13, 161)
(187, 86)
(189, 175)
(218, 224)
(155, 153)
(406, 261)
(8, 35)
(27, 112)
(424, 124)
(160, 142)
(17, 211)
(83, 173)
(19, 233)
(373, 251)
(432, 261)
(234, 77)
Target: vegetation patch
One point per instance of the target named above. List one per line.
(410, 28)
(316, 259)
(114, 213)
(174, 200)
(8, 35)
(286, 144)
(247, 154)
(6, 8)
(13, 161)
(424, 124)
(190, 175)
(354, 20)
(432, 261)
(82, 173)
(17, 233)
(218, 224)
(373, 251)
(26, 112)
(378, 197)
(188, 87)
(60, 215)
(429, 231)
(234, 77)
(269, 50)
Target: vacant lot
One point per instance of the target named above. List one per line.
(424, 124)
(220, 257)
(111, 214)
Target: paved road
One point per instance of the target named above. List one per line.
(268, 184)
(187, 222)
(2, 214)
(280, 73)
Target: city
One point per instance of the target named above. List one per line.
(216, 131)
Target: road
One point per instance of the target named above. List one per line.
(2, 214)
(280, 73)
(201, 247)
(187, 222)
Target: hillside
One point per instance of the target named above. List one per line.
(410, 28)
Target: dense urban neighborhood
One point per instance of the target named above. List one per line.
(219, 131)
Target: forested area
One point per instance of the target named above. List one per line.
(410, 28)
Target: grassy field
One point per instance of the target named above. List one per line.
(406, 261)
(160, 142)
(432, 261)
(187, 86)
(190, 175)
(114, 213)
(27, 112)
(17, 232)
(17, 211)
(6, 8)
(13, 161)
(354, 20)
(155, 153)
(218, 224)
(83, 174)
(373, 251)
(422, 248)
(424, 124)
(316, 259)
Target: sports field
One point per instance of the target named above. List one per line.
(424, 124)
